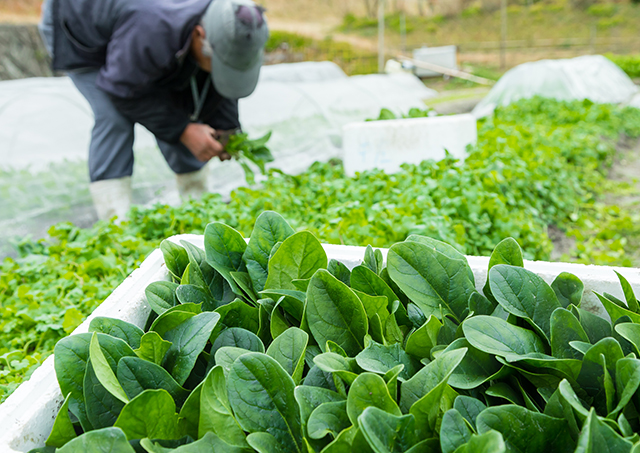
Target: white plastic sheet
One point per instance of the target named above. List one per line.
(308, 71)
(591, 77)
(46, 122)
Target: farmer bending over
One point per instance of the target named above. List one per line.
(178, 67)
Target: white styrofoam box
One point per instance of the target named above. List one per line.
(26, 418)
(445, 56)
(388, 144)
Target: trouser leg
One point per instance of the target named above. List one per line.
(191, 174)
(111, 148)
(110, 151)
(179, 158)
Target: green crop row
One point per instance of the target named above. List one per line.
(537, 163)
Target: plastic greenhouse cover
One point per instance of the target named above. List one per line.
(591, 77)
(45, 127)
(308, 71)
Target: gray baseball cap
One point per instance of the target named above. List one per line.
(237, 31)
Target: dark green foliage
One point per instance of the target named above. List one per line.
(316, 380)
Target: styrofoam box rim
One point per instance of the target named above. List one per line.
(27, 415)
(409, 122)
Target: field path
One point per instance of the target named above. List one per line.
(627, 168)
(321, 30)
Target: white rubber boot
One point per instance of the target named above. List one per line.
(112, 197)
(192, 185)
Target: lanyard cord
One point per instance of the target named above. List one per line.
(199, 98)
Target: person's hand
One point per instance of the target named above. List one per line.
(200, 140)
(223, 136)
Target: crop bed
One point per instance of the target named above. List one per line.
(538, 163)
(268, 346)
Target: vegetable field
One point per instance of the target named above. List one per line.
(538, 163)
(270, 347)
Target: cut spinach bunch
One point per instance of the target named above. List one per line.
(246, 151)
(268, 346)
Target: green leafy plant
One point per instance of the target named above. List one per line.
(246, 151)
(386, 114)
(602, 10)
(278, 39)
(268, 346)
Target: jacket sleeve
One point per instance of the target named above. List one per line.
(156, 113)
(221, 113)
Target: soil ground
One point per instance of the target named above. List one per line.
(19, 11)
(626, 168)
(562, 244)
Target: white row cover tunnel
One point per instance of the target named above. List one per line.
(45, 127)
(27, 415)
(592, 77)
(45, 120)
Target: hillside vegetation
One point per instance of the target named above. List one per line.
(601, 27)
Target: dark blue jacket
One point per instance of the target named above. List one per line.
(141, 48)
